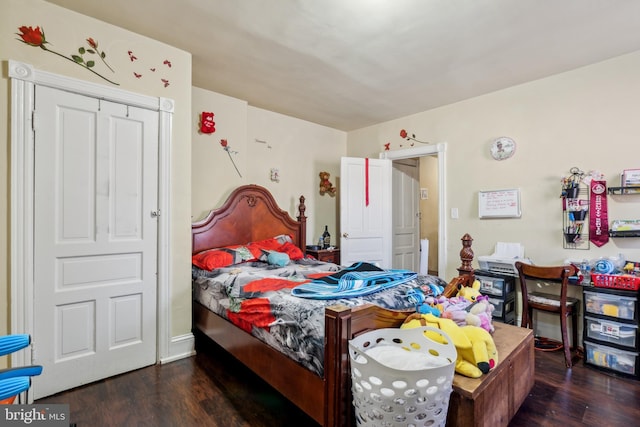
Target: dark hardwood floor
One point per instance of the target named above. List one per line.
(213, 389)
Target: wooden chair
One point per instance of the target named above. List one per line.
(550, 303)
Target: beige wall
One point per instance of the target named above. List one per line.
(586, 118)
(297, 148)
(66, 31)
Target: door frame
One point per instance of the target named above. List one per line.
(438, 150)
(24, 79)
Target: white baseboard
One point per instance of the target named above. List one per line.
(180, 347)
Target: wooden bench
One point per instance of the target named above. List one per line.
(494, 399)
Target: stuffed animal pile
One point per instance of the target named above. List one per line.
(468, 307)
(466, 319)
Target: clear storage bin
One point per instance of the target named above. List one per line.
(624, 334)
(622, 361)
(615, 306)
(494, 285)
(501, 307)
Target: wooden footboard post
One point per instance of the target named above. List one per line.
(466, 256)
(337, 375)
(302, 219)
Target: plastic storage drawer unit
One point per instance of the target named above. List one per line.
(615, 306)
(622, 361)
(496, 286)
(502, 307)
(623, 334)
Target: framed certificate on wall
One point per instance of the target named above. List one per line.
(499, 204)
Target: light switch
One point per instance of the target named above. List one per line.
(454, 213)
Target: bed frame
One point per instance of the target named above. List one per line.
(250, 213)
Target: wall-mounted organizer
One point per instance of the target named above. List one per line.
(622, 227)
(575, 213)
(627, 191)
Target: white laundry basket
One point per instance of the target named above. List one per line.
(388, 397)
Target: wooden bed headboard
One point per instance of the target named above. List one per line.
(249, 214)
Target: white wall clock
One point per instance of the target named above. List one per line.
(503, 148)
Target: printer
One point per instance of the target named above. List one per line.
(503, 260)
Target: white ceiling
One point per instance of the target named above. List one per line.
(348, 64)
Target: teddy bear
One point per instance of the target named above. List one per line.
(477, 352)
(325, 185)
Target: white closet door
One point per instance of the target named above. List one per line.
(95, 239)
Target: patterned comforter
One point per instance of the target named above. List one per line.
(256, 296)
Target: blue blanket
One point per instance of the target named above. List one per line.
(357, 280)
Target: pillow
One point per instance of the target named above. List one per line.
(221, 257)
(278, 258)
(260, 248)
(292, 250)
(284, 238)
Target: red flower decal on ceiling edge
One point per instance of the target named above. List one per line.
(94, 50)
(35, 37)
(412, 137)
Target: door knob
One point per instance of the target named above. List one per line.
(345, 235)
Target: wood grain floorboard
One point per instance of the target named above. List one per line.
(213, 389)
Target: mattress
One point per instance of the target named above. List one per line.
(256, 297)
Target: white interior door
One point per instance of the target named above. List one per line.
(406, 214)
(366, 228)
(95, 239)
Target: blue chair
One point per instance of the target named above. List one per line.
(15, 381)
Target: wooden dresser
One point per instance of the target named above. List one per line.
(494, 399)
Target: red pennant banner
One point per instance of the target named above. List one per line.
(366, 181)
(598, 214)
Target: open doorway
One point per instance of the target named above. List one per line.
(415, 214)
(432, 219)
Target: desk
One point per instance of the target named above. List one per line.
(493, 399)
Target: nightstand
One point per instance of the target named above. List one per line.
(326, 255)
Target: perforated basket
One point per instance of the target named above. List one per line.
(616, 281)
(384, 396)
